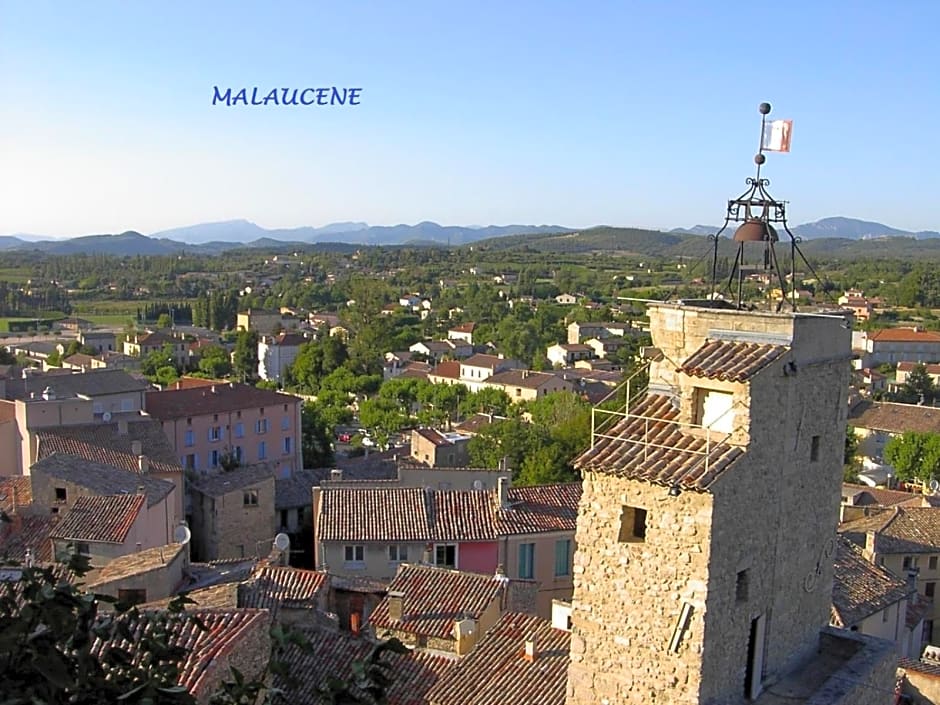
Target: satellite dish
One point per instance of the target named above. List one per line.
(282, 542)
(934, 486)
(478, 484)
(182, 534)
(106, 416)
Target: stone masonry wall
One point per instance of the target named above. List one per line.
(628, 596)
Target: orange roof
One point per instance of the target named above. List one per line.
(904, 335)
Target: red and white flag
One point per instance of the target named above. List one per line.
(776, 137)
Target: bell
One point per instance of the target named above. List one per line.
(755, 230)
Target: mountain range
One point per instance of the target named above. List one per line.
(214, 238)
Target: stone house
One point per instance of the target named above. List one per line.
(438, 449)
(233, 513)
(205, 424)
(150, 574)
(445, 610)
(867, 598)
(104, 527)
(736, 590)
(906, 542)
(265, 322)
(521, 659)
(102, 341)
(142, 344)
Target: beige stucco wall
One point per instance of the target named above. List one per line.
(161, 582)
(550, 586)
(224, 527)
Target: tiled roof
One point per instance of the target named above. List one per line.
(898, 530)
(135, 564)
(904, 335)
(410, 514)
(861, 589)
(463, 328)
(919, 666)
(449, 369)
(275, 586)
(296, 490)
(290, 339)
(496, 672)
(107, 519)
(918, 608)
(649, 445)
(865, 496)
(232, 396)
(28, 531)
(895, 418)
(332, 653)
(16, 491)
(730, 361)
(78, 360)
(417, 370)
(907, 366)
(434, 598)
(407, 514)
(540, 508)
(214, 638)
(224, 596)
(102, 479)
(103, 443)
(221, 483)
(475, 423)
(434, 436)
(436, 346)
(490, 362)
(522, 378)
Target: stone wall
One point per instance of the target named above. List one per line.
(629, 596)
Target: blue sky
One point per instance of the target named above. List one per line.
(631, 114)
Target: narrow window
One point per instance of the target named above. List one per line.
(250, 498)
(61, 496)
(527, 561)
(929, 589)
(632, 525)
(814, 449)
(932, 563)
(562, 557)
(741, 586)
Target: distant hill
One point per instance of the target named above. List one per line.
(834, 227)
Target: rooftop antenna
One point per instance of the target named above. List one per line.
(756, 210)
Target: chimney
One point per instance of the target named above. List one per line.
(465, 634)
(336, 474)
(428, 555)
(396, 600)
(529, 653)
(502, 491)
(143, 464)
(141, 489)
(122, 427)
(212, 389)
(912, 574)
(137, 448)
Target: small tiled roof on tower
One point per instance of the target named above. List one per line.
(497, 671)
(730, 360)
(434, 598)
(860, 588)
(107, 519)
(650, 445)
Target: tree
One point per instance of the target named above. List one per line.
(919, 387)
(914, 456)
(164, 321)
(156, 360)
(488, 400)
(245, 355)
(315, 437)
(214, 362)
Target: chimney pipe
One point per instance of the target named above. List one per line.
(143, 464)
(529, 653)
(502, 491)
(336, 474)
(396, 601)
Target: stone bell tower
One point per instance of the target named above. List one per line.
(706, 528)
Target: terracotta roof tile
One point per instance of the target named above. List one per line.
(895, 418)
(861, 589)
(434, 598)
(198, 401)
(104, 443)
(540, 508)
(496, 672)
(907, 366)
(135, 564)
(15, 492)
(463, 328)
(107, 519)
(449, 369)
(28, 531)
(865, 496)
(275, 586)
(919, 666)
(731, 361)
(898, 530)
(332, 654)
(650, 445)
(524, 378)
(904, 335)
(490, 362)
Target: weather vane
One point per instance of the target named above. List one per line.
(756, 210)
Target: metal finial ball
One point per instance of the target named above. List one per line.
(764, 108)
(759, 159)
